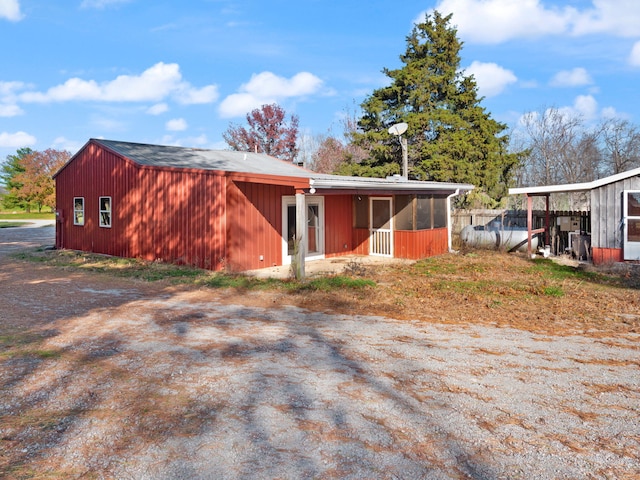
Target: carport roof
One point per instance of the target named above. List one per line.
(574, 187)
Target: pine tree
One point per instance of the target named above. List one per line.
(9, 172)
(451, 137)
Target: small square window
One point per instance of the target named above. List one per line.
(105, 212)
(78, 210)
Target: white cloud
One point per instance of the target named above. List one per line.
(62, 143)
(9, 88)
(101, 3)
(620, 18)
(571, 78)
(265, 88)
(158, 109)
(176, 125)
(491, 78)
(586, 105)
(16, 140)
(496, 21)
(634, 56)
(10, 111)
(10, 9)
(158, 82)
(193, 96)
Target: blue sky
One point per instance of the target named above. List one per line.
(179, 73)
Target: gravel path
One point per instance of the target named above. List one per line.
(172, 384)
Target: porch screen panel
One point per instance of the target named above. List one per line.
(439, 212)
(361, 213)
(423, 212)
(404, 212)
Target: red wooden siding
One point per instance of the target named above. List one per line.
(361, 241)
(606, 255)
(183, 217)
(157, 214)
(338, 213)
(414, 245)
(254, 218)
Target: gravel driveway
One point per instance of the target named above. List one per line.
(149, 382)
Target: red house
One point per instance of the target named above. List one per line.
(239, 211)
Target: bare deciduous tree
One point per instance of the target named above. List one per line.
(621, 145)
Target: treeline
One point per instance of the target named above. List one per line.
(562, 148)
(28, 178)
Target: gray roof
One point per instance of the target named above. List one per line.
(222, 160)
(259, 163)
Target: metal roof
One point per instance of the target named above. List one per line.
(574, 187)
(221, 160)
(259, 163)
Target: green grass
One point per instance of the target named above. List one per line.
(556, 271)
(12, 224)
(553, 291)
(27, 216)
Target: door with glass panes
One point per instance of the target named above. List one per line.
(631, 222)
(314, 227)
(381, 230)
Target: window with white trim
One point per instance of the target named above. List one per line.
(105, 211)
(78, 210)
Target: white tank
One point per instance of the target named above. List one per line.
(497, 237)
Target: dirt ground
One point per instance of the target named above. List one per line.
(106, 377)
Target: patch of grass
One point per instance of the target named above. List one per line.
(26, 216)
(326, 284)
(550, 269)
(435, 266)
(553, 291)
(241, 282)
(12, 224)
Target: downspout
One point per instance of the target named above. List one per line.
(449, 225)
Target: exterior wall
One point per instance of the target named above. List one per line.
(338, 225)
(361, 241)
(254, 220)
(183, 217)
(601, 256)
(92, 174)
(157, 214)
(414, 245)
(606, 213)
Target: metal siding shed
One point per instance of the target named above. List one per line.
(606, 209)
(213, 209)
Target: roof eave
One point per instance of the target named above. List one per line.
(400, 186)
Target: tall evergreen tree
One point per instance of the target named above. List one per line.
(451, 137)
(9, 173)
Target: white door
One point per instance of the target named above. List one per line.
(631, 222)
(381, 227)
(315, 227)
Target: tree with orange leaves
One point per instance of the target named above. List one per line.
(268, 133)
(35, 184)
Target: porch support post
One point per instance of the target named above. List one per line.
(300, 241)
(449, 223)
(529, 222)
(547, 233)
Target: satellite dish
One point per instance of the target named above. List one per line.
(398, 128)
